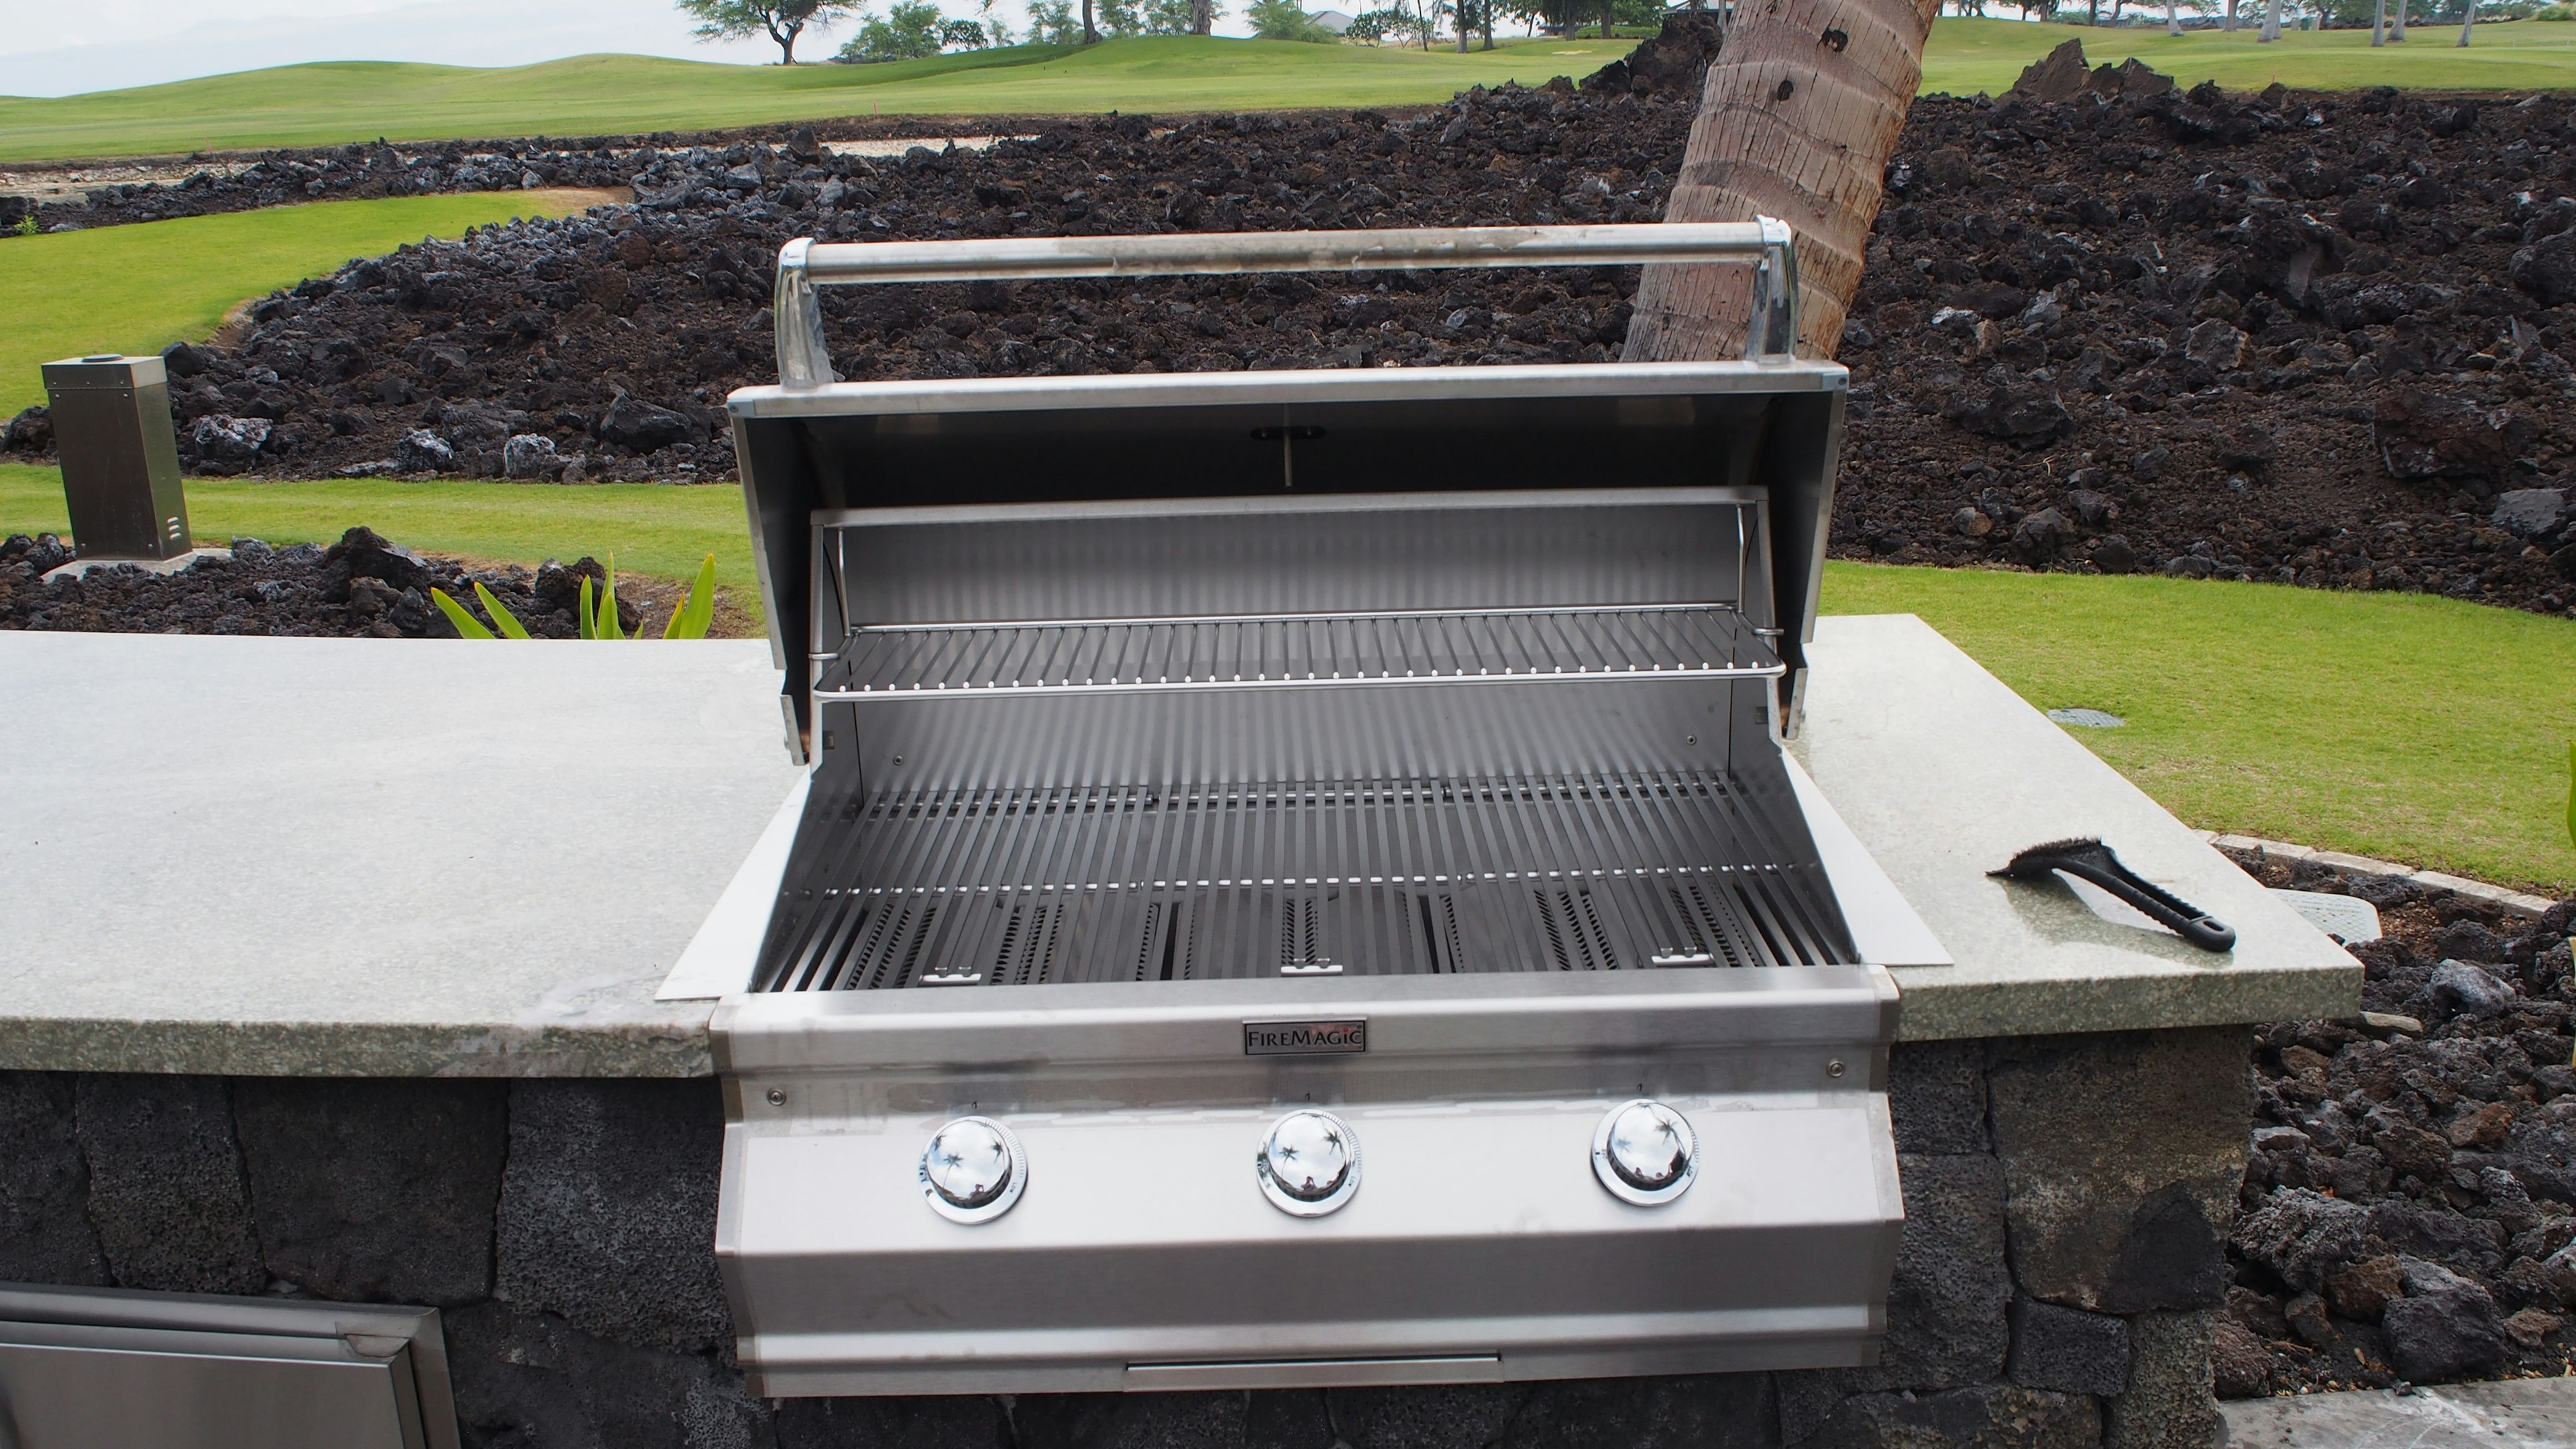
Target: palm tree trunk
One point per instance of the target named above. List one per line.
(2397, 25)
(1797, 128)
(1202, 16)
(2230, 23)
(2173, 25)
(2467, 21)
(1089, 35)
(2378, 22)
(2271, 23)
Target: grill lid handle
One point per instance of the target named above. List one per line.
(804, 360)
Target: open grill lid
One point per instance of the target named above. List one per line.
(1770, 422)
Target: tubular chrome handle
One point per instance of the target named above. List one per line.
(805, 264)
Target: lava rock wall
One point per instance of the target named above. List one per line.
(2062, 1266)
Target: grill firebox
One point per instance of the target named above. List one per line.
(1375, 774)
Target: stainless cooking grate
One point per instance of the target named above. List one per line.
(1305, 649)
(1006, 886)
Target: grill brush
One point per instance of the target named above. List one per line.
(2093, 861)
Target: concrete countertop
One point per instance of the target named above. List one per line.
(1943, 773)
(330, 857)
(369, 857)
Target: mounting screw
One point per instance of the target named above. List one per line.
(1690, 739)
(778, 1095)
(898, 759)
(1833, 1069)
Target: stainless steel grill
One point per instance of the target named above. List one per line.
(1020, 886)
(1212, 776)
(1425, 647)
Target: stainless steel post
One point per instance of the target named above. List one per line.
(120, 457)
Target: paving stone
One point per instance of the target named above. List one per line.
(1946, 1308)
(45, 1235)
(2512, 900)
(2169, 1403)
(166, 1194)
(2067, 1349)
(1989, 1416)
(1936, 1091)
(534, 1380)
(608, 1209)
(2518, 1414)
(376, 1190)
(2123, 1153)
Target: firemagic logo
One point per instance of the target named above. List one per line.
(1282, 1038)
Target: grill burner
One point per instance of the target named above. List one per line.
(1137, 883)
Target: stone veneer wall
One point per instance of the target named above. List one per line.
(2066, 1199)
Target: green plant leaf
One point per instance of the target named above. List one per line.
(584, 615)
(607, 627)
(502, 618)
(698, 610)
(467, 626)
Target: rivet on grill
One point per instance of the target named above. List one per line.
(1686, 739)
(777, 1097)
(1833, 1069)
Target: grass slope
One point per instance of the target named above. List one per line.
(140, 288)
(2403, 726)
(1968, 56)
(331, 103)
(2412, 728)
(336, 102)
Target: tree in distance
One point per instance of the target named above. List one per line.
(781, 20)
(1286, 20)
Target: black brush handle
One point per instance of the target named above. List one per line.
(2185, 919)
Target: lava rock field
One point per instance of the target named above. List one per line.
(2310, 339)
(2409, 1205)
(364, 586)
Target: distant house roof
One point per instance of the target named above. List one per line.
(1332, 20)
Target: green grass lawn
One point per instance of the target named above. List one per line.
(2412, 728)
(652, 529)
(141, 288)
(1968, 56)
(326, 104)
(331, 103)
(2407, 727)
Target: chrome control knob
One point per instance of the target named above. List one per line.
(973, 1170)
(1309, 1163)
(1645, 1153)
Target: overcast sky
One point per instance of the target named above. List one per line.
(54, 48)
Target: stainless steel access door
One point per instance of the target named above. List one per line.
(90, 1368)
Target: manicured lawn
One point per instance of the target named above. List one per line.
(2412, 728)
(328, 104)
(1968, 56)
(140, 288)
(652, 529)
